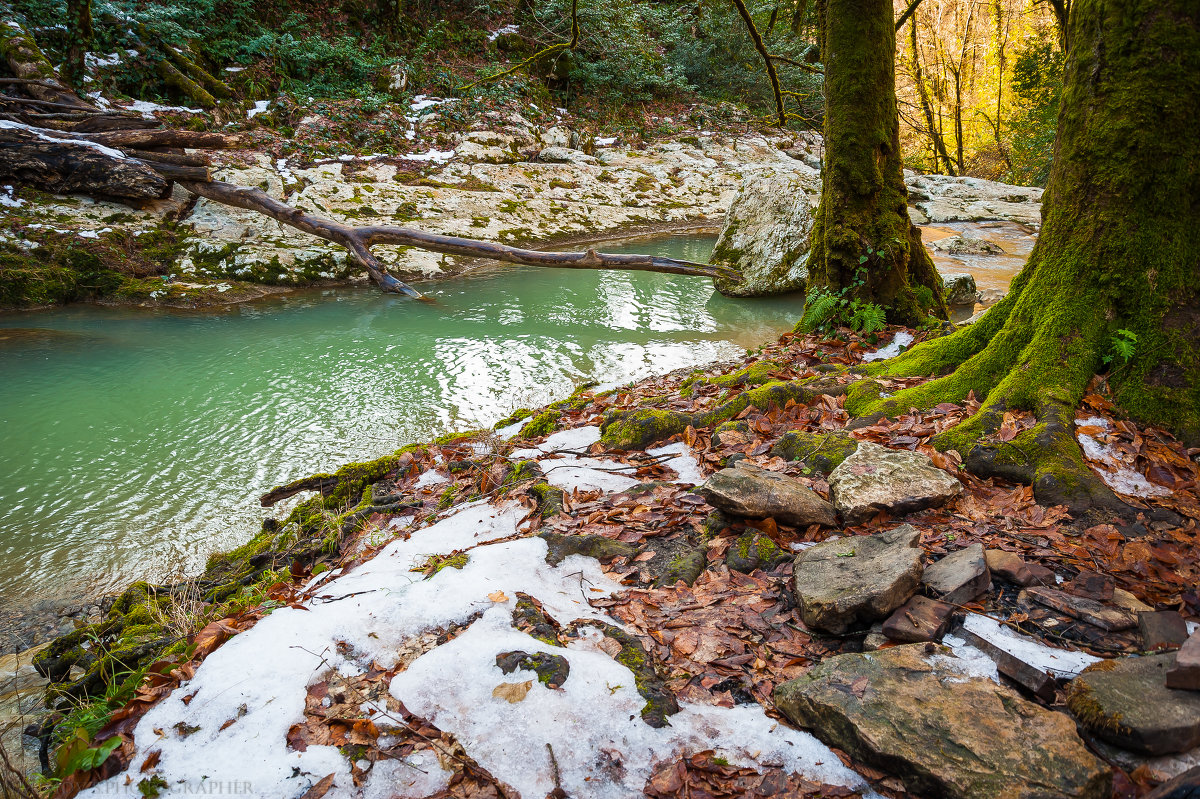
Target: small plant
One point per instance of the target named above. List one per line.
(825, 311)
(1122, 345)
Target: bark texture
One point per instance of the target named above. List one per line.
(1119, 251)
(864, 204)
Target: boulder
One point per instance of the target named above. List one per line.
(1185, 673)
(850, 582)
(565, 155)
(942, 198)
(558, 136)
(766, 235)
(967, 245)
(1009, 566)
(918, 619)
(1127, 703)
(746, 490)
(960, 576)
(960, 288)
(942, 732)
(875, 478)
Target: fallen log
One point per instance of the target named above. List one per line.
(29, 64)
(74, 166)
(360, 240)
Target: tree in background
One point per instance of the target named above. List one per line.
(865, 250)
(1113, 283)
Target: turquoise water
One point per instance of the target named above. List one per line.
(134, 443)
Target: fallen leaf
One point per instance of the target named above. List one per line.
(498, 596)
(320, 789)
(512, 691)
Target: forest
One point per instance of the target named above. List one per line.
(600, 398)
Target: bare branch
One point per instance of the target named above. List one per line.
(766, 57)
(908, 12)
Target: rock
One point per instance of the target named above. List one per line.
(558, 136)
(940, 731)
(1162, 630)
(565, 155)
(753, 550)
(560, 547)
(875, 478)
(853, 581)
(1185, 786)
(766, 235)
(875, 639)
(967, 245)
(960, 576)
(1127, 703)
(942, 198)
(918, 619)
(1124, 599)
(552, 670)
(1009, 566)
(1088, 610)
(960, 288)
(746, 490)
(822, 452)
(1185, 674)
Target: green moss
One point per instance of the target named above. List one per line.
(560, 547)
(755, 374)
(822, 452)
(458, 437)
(660, 702)
(513, 418)
(540, 425)
(640, 428)
(435, 563)
(550, 498)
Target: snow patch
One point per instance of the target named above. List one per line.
(147, 109)
(260, 107)
(431, 478)
(1056, 662)
(8, 199)
(1115, 471)
(899, 342)
(435, 155)
(606, 141)
(685, 464)
(507, 29)
(109, 151)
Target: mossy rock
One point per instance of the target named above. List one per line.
(542, 424)
(560, 547)
(531, 619)
(552, 670)
(822, 452)
(513, 418)
(674, 560)
(638, 429)
(753, 550)
(660, 701)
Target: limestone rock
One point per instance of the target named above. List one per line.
(943, 733)
(967, 245)
(766, 235)
(960, 288)
(853, 581)
(746, 490)
(1185, 674)
(559, 136)
(1127, 703)
(1009, 566)
(942, 198)
(564, 155)
(960, 576)
(918, 619)
(875, 478)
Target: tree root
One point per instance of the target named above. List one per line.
(641, 427)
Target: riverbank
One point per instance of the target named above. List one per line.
(573, 538)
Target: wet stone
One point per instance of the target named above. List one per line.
(1105, 617)
(942, 732)
(853, 581)
(1185, 674)
(748, 491)
(918, 619)
(1126, 702)
(1009, 566)
(960, 576)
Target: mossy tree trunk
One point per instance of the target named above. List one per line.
(1119, 251)
(79, 27)
(863, 242)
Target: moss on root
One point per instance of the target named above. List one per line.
(755, 374)
(822, 452)
(660, 702)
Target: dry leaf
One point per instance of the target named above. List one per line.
(512, 691)
(498, 596)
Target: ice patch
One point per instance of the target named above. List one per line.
(421, 103)
(1056, 662)
(570, 472)
(1116, 471)
(901, 340)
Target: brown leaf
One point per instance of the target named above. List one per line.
(320, 789)
(151, 760)
(512, 692)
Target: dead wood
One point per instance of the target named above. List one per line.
(70, 165)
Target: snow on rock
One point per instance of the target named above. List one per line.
(147, 109)
(502, 31)
(244, 697)
(7, 199)
(1057, 662)
(435, 155)
(508, 431)
(431, 478)
(901, 340)
(1114, 467)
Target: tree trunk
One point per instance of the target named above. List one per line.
(1119, 251)
(79, 25)
(863, 244)
(941, 159)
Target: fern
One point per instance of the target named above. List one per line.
(819, 307)
(868, 318)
